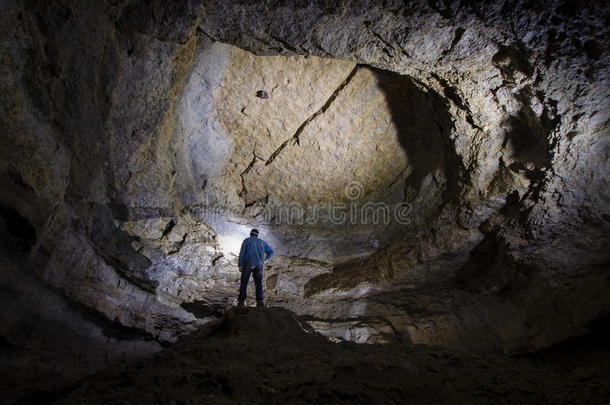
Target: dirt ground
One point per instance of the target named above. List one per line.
(269, 356)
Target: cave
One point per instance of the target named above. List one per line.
(431, 176)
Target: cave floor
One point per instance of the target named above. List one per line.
(269, 356)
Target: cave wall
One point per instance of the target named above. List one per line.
(135, 147)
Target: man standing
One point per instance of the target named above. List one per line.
(252, 256)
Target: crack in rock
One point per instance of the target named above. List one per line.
(459, 32)
(452, 94)
(389, 44)
(178, 245)
(321, 111)
(244, 191)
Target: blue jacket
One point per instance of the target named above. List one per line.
(253, 251)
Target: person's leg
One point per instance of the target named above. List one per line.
(243, 287)
(258, 282)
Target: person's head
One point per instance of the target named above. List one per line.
(254, 232)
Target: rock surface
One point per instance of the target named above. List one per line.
(136, 156)
(272, 357)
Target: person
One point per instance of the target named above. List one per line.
(252, 256)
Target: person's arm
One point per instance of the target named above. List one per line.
(242, 256)
(268, 251)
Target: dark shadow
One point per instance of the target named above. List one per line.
(512, 58)
(114, 245)
(345, 276)
(17, 234)
(527, 136)
(202, 309)
(587, 351)
(423, 124)
(490, 270)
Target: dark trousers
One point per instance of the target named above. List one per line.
(257, 273)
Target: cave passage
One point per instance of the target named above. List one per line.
(432, 177)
